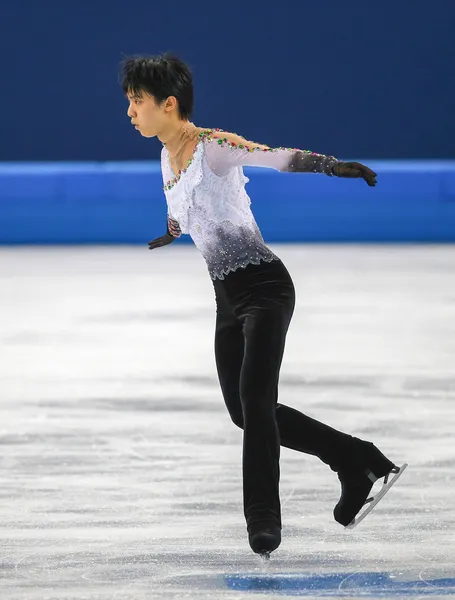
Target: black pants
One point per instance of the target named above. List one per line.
(254, 309)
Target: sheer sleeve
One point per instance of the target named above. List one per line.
(225, 151)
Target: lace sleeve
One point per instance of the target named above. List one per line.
(225, 151)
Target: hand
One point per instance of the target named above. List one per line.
(173, 232)
(164, 240)
(356, 170)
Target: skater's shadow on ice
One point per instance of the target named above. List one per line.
(364, 584)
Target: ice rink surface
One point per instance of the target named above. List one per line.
(121, 471)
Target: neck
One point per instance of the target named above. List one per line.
(176, 136)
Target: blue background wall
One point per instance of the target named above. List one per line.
(357, 78)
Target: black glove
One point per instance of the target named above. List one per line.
(354, 169)
(173, 232)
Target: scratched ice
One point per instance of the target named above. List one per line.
(120, 468)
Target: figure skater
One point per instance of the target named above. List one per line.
(204, 186)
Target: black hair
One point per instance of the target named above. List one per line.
(160, 77)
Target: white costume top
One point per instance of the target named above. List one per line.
(209, 201)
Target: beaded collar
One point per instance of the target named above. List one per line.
(208, 134)
(172, 182)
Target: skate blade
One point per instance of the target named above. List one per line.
(379, 496)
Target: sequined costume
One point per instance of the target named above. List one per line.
(210, 202)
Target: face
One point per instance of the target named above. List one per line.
(146, 114)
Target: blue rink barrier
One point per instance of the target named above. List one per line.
(103, 203)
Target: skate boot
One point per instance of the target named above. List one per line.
(357, 480)
(264, 537)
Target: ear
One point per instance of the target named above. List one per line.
(170, 104)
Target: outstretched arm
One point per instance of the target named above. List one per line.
(227, 150)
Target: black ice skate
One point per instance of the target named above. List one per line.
(264, 538)
(356, 485)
